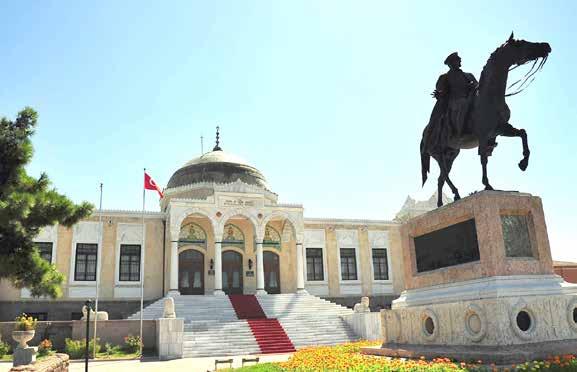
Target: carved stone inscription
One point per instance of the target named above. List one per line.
(516, 236)
(453, 245)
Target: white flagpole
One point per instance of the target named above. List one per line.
(98, 266)
(142, 255)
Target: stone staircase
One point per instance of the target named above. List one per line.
(212, 328)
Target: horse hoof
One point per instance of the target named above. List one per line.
(439, 204)
(457, 197)
(523, 164)
(489, 188)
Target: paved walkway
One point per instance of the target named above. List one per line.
(154, 365)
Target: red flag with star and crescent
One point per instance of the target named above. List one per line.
(149, 184)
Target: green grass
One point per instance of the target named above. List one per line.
(264, 367)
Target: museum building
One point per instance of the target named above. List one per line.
(221, 230)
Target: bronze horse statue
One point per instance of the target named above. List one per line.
(488, 115)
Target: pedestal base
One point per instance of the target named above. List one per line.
(261, 292)
(218, 292)
(24, 356)
(173, 293)
(488, 354)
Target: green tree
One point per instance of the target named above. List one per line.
(26, 205)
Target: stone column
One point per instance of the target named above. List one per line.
(300, 269)
(259, 269)
(173, 268)
(218, 267)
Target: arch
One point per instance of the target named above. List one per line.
(232, 235)
(193, 211)
(272, 238)
(237, 212)
(287, 216)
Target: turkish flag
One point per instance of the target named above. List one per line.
(149, 184)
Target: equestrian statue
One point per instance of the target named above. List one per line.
(468, 114)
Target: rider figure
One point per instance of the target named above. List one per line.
(458, 88)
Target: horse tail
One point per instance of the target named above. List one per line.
(425, 162)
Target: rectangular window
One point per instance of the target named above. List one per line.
(86, 259)
(41, 317)
(315, 264)
(45, 250)
(348, 264)
(129, 262)
(380, 266)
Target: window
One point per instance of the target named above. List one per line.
(315, 264)
(380, 266)
(76, 316)
(41, 317)
(348, 264)
(45, 250)
(129, 262)
(86, 258)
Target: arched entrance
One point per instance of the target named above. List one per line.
(271, 272)
(232, 272)
(191, 272)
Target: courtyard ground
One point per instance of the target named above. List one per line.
(154, 365)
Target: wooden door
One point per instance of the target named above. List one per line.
(232, 272)
(191, 272)
(271, 272)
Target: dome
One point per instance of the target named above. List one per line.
(217, 166)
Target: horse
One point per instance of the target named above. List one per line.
(488, 115)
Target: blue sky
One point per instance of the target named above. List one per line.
(327, 98)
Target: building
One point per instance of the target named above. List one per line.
(221, 230)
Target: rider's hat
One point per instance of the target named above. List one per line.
(451, 57)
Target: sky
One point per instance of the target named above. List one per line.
(327, 98)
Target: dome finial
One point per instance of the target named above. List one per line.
(217, 147)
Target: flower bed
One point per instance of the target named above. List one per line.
(347, 357)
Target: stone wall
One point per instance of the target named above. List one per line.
(112, 331)
(377, 303)
(54, 363)
(367, 326)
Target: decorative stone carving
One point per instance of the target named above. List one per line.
(314, 238)
(169, 308)
(129, 233)
(347, 238)
(86, 231)
(363, 306)
(378, 239)
(101, 315)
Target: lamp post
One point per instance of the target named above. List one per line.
(88, 305)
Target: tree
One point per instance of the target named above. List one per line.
(26, 205)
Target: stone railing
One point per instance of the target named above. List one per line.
(53, 363)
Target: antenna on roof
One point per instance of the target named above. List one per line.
(217, 147)
(201, 145)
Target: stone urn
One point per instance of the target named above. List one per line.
(22, 337)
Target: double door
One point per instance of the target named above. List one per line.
(232, 272)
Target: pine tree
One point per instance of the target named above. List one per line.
(26, 205)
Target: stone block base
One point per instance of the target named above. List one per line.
(367, 326)
(170, 338)
(24, 356)
(499, 355)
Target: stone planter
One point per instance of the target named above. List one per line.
(22, 337)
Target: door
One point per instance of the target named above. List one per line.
(191, 272)
(271, 272)
(231, 272)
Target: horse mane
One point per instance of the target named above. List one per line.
(486, 69)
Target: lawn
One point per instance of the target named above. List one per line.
(347, 357)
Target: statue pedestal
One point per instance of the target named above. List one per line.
(480, 285)
(24, 356)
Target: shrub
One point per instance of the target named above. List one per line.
(25, 323)
(76, 348)
(45, 348)
(110, 349)
(4, 349)
(132, 344)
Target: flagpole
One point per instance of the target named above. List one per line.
(98, 266)
(142, 255)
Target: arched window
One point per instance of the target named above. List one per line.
(233, 236)
(192, 233)
(271, 238)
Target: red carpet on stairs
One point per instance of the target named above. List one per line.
(269, 334)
